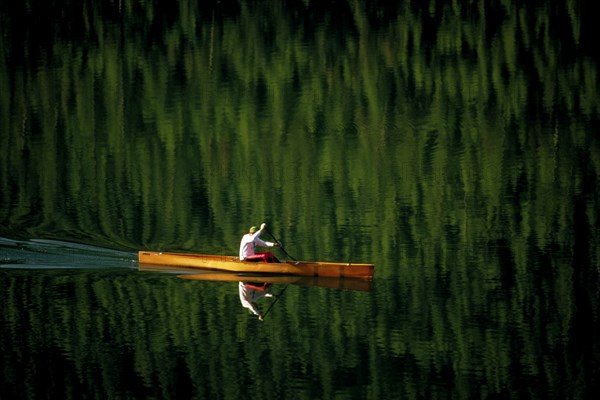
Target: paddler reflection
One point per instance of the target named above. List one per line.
(250, 293)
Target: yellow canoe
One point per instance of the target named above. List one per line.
(233, 264)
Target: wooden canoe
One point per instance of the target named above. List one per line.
(232, 264)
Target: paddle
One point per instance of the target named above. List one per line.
(279, 243)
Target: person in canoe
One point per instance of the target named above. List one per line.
(250, 241)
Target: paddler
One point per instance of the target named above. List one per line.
(249, 243)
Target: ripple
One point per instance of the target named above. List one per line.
(54, 254)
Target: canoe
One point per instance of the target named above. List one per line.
(360, 285)
(233, 264)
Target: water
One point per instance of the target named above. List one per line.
(454, 146)
(53, 254)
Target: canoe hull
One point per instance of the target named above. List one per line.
(232, 264)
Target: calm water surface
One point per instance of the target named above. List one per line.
(455, 146)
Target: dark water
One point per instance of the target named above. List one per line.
(453, 144)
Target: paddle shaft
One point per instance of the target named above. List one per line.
(279, 243)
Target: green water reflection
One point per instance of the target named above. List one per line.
(453, 144)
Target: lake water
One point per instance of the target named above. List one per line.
(455, 145)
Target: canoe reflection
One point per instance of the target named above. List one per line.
(331, 283)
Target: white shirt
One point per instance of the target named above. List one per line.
(249, 242)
